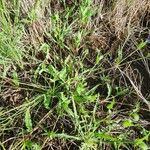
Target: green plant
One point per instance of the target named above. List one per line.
(66, 92)
(11, 35)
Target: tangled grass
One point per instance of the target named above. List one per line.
(74, 74)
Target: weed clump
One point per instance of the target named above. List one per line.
(74, 74)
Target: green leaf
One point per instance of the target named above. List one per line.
(135, 116)
(50, 134)
(36, 146)
(64, 104)
(78, 98)
(109, 90)
(15, 78)
(141, 45)
(47, 101)
(127, 123)
(43, 69)
(140, 142)
(44, 47)
(63, 74)
(28, 121)
(99, 58)
(53, 71)
(106, 136)
(111, 105)
(27, 144)
(81, 88)
(90, 98)
(31, 145)
(143, 146)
